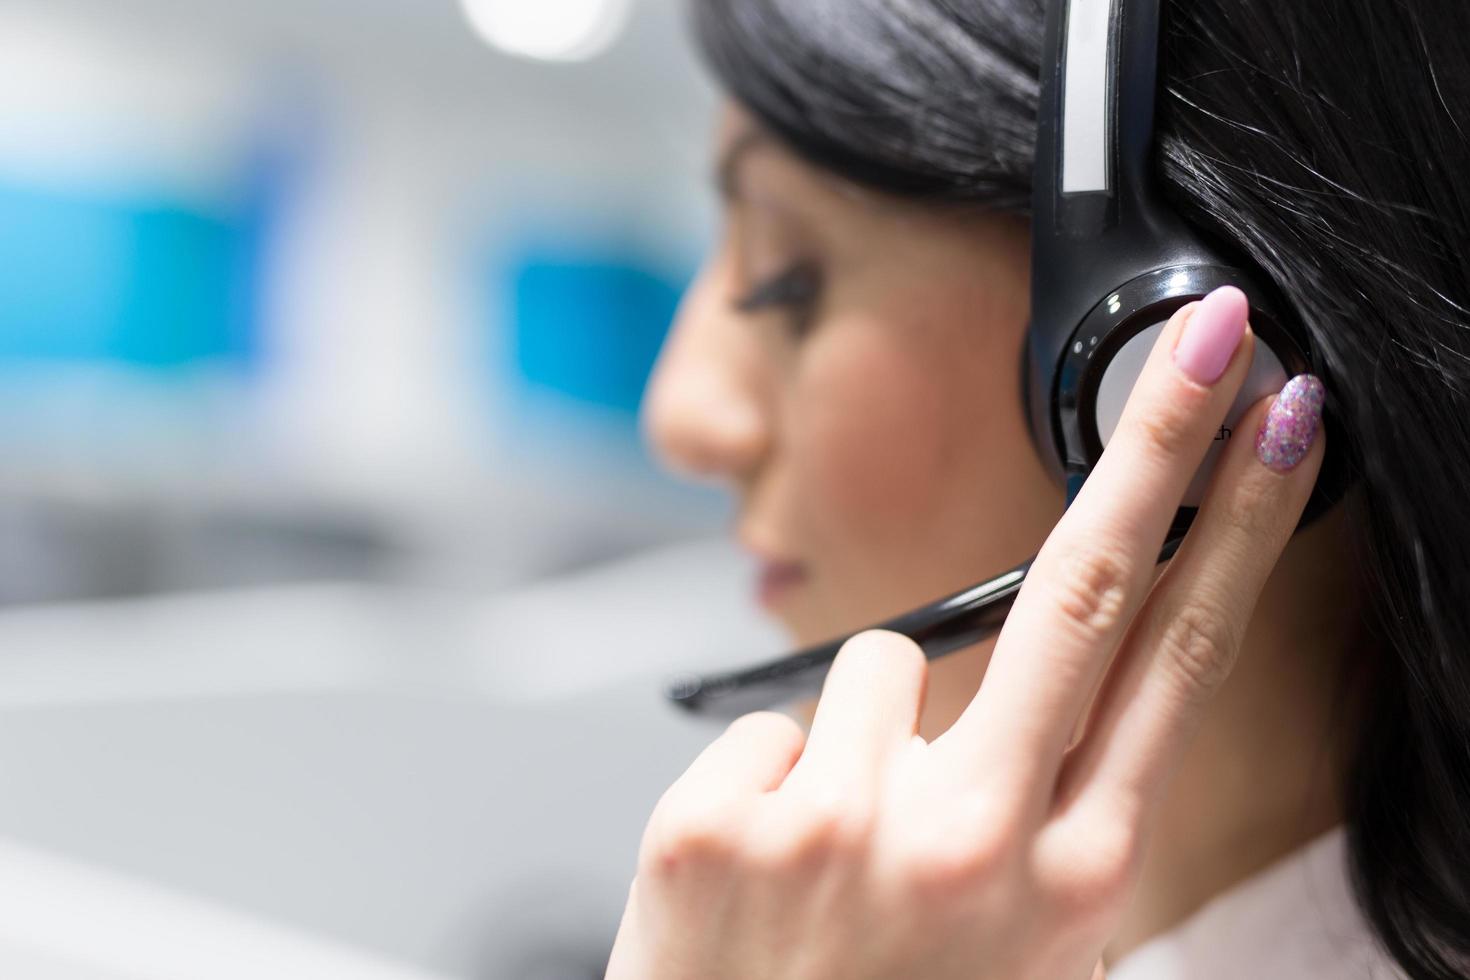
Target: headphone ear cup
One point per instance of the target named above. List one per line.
(1104, 355)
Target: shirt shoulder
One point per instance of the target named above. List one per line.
(1292, 920)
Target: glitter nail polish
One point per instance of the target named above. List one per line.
(1291, 423)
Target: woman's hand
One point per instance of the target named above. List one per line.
(999, 849)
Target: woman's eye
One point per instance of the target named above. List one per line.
(794, 289)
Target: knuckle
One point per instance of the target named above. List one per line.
(1098, 870)
(1167, 432)
(951, 859)
(1250, 516)
(1091, 591)
(944, 869)
(812, 833)
(686, 837)
(1198, 645)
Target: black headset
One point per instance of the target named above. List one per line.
(1111, 262)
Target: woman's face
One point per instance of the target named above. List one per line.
(850, 365)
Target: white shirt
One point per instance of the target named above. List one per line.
(1295, 919)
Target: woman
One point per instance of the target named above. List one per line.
(1252, 761)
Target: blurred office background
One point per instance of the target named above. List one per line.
(325, 286)
(335, 579)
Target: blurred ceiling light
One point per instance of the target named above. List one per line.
(551, 30)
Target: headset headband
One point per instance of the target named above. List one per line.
(1098, 220)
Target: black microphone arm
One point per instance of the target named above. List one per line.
(941, 628)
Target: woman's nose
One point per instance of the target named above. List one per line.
(701, 412)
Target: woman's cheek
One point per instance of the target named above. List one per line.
(870, 447)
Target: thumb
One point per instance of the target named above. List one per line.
(1098, 973)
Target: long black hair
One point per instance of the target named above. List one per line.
(1326, 143)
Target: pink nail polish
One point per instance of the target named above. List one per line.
(1211, 334)
(1291, 424)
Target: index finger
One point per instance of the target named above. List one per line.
(1095, 568)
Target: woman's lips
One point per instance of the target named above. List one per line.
(777, 574)
(776, 579)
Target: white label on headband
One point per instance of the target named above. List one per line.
(1085, 117)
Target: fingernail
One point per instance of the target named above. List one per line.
(1291, 424)
(1211, 334)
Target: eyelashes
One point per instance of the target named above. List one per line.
(795, 290)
